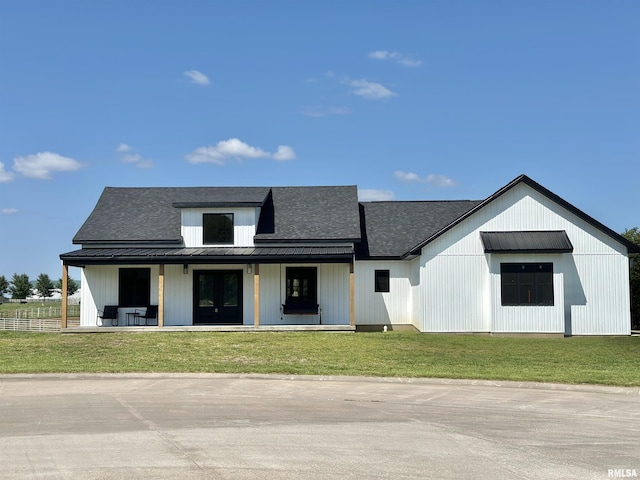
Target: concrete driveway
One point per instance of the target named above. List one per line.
(276, 427)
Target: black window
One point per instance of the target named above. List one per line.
(134, 287)
(526, 283)
(302, 286)
(382, 280)
(217, 228)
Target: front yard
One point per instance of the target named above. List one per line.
(605, 361)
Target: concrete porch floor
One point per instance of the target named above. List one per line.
(212, 328)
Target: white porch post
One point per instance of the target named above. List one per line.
(256, 295)
(352, 313)
(161, 296)
(63, 287)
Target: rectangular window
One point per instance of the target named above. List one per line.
(526, 283)
(217, 228)
(134, 287)
(302, 286)
(382, 280)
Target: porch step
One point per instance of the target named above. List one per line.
(214, 328)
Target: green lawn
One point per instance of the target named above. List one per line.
(606, 361)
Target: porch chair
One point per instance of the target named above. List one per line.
(150, 313)
(110, 312)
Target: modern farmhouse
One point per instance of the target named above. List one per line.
(521, 261)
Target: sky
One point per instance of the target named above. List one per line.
(409, 100)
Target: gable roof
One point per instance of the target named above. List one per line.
(391, 229)
(631, 247)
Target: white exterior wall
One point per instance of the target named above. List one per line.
(100, 288)
(591, 284)
(333, 295)
(244, 225)
(522, 319)
(384, 308)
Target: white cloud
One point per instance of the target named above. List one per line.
(197, 77)
(373, 195)
(127, 156)
(403, 60)
(233, 148)
(325, 111)
(439, 181)
(406, 176)
(370, 90)
(43, 164)
(9, 211)
(432, 180)
(284, 154)
(5, 176)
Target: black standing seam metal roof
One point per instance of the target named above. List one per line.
(556, 241)
(89, 256)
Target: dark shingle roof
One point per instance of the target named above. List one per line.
(393, 228)
(148, 214)
(313, 213)
(152, 215)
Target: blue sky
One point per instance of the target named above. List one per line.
(408, 100)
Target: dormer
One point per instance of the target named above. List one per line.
(219, 224)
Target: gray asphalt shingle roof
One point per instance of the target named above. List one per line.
(393, 228)
(152, 215)
(314, 213)
(130, 215)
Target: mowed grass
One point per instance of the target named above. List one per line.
(604, 361)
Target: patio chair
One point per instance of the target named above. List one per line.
(151, 313)
(110, 312)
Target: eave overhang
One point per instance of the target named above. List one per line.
(209, 255)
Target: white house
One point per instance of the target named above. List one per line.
(522, 261)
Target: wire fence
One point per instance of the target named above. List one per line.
(40, 325)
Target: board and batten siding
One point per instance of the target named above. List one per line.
(459, 294)
(333, 295)
(244, 225)
(100, 288)
(383, 308)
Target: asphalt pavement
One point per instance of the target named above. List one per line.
(280, 427)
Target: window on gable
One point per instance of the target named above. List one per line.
(382, 280)
(217, 228)
(302, 286)
(134, 287)
(526, 283)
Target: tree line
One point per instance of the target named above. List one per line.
(633, 235)
(20, 287)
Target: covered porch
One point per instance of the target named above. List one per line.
(264, 282)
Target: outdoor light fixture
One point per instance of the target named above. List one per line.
(185, 269)
(249, 268)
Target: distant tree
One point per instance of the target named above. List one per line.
(4, 285)
(633, 235)
(72, 286)
(20, 287)
(45, 286)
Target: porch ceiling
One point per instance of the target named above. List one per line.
(227, 255)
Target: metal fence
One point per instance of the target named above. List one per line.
(44, 325)
(38, 319)
(40, 312)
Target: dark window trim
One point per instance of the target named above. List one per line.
(134, 287)
(230, 216)
(530, 291)
(382, 281)
(308, 274)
